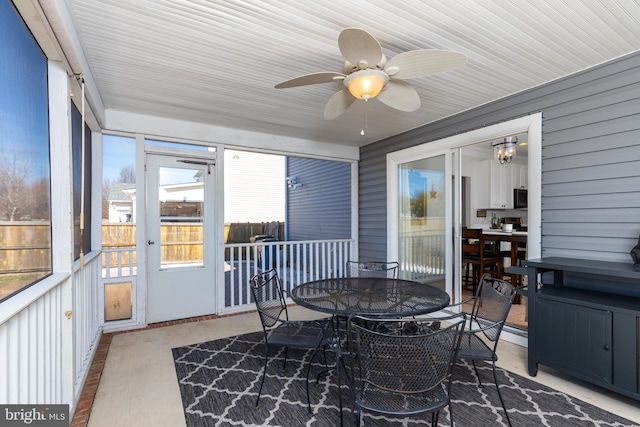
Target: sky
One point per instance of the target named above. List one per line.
(23, 94)
(117, 152)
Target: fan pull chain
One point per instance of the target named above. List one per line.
(364, 117)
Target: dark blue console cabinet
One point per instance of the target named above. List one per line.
(584, 320)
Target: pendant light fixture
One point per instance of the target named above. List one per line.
(505, 151)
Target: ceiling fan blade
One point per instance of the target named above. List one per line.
(400, 95)
(312, 79)
(423, 62)
(360, 48)
(337, 104)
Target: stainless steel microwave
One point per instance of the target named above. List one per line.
(520, 198)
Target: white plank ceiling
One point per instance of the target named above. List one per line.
(217, 61)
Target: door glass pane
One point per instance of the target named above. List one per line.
(421, 220)
(181, 196)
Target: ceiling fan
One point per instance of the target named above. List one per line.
(367, 73)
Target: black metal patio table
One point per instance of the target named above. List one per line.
(344, 297)
(369, 296)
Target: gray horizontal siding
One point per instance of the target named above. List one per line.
(372, 203)
(593, 144)
(601, 200)
(321, 208)
(590, 161)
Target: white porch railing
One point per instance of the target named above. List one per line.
(118, 263)
(423, 257)
(45, 360)
(32, 369)
(86, 319)
(296, 262)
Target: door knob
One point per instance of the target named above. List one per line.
(149, 242)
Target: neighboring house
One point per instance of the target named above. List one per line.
(121, 201)
(255, 187)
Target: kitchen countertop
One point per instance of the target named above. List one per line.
(508, 233)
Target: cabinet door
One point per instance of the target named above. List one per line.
(502, 180)
(509, 174)
(574, 339)
(498, 177)
(522, 177)
(496, 190)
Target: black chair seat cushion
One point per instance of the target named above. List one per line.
(476, 257)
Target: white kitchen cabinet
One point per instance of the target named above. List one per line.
(502, 180)
(520, 176)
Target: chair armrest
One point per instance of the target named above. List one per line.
(484, 328)
(462, 302)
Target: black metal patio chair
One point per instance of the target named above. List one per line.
(491, 305)
(372, 269)
(404, 365)
(279, 331)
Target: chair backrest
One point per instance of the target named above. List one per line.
(406, 356)
(267, 294)
(492, 304)
(473, 239)
(472, 233)
(372, 269)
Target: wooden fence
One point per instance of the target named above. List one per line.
(182, 242)
(25, 246)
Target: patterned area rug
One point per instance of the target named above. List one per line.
(219, 381)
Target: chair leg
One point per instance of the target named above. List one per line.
(475, 368)
(466, 273)
(264, 371)
(358, 412)
(286, 352)
(313, 355)
(495, 379)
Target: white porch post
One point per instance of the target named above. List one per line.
(62, 216)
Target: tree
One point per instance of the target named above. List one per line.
(14, 172)
(418, 204)
(127, 174)
(39, 207)
(106, 189)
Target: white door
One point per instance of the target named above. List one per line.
(180, 237)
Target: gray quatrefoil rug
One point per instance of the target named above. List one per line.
(219, 381)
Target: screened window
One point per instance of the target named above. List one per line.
(25, 221)
(76, 148)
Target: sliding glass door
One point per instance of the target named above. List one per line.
(434, 190)
(423, 218)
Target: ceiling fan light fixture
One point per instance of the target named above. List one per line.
(366, 84)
